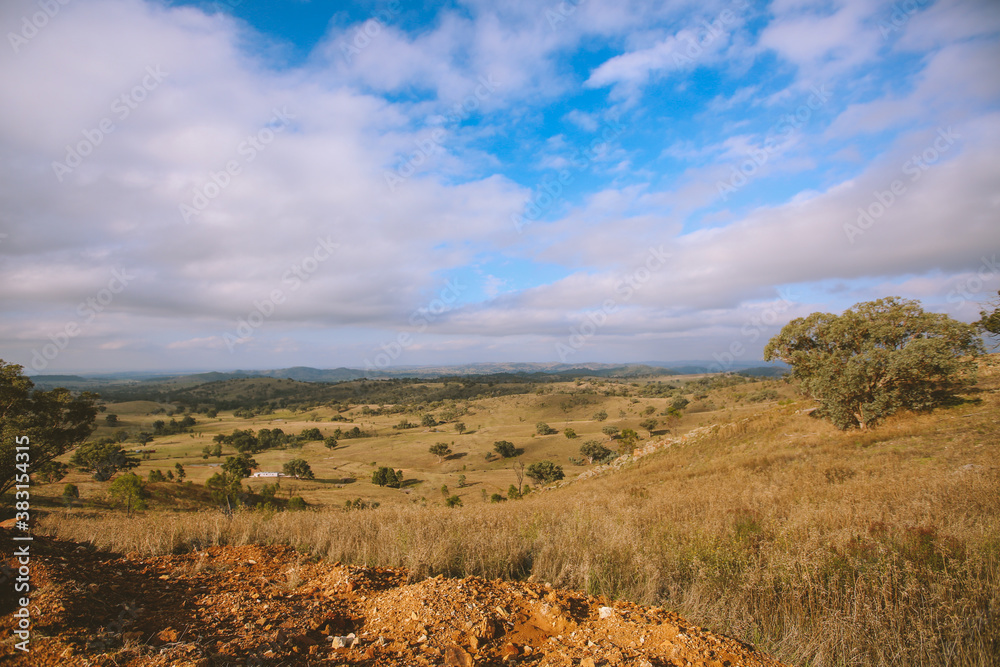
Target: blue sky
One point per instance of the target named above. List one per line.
(250, 184)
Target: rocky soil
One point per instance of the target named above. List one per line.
(271, 605)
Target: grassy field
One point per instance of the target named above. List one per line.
(823, 547)
(344, 473)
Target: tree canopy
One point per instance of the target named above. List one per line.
(989, 320)
(545, 472)
(53, 422)
(876, 358)
(440, 450)
(386, 476)
(299, 469)
(103, 459)
(505, 448)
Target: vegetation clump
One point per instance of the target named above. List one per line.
(877, 358)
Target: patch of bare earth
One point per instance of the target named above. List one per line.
(270, 605)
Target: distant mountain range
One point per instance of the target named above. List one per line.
(308, 374)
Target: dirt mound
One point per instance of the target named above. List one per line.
(271, 605)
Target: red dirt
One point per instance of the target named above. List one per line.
(271, 605)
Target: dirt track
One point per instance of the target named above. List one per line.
(270, 605)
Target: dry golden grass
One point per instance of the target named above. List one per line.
(822, 547)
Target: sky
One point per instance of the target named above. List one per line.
(246, 184)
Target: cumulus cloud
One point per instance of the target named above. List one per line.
(172, 194)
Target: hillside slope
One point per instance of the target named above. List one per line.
(818, 546)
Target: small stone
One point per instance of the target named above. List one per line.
(587, 662)
(456, 656)
(345, 642)
(606, 612)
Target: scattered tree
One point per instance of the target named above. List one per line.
(877, 358)
(610, 431)
(298, 468)
(569, 433)
(627, 440)
(386, 476)
(593, 450)
(600, 415)
(240, 466)
(296, 503)
(50, 422)
(156, 476)
(461, 481)
(129, 490)
(649, 424)
(226, 489)
(505, 448)
(330, 442)
(428, 420)
(440, 450)
(544, 429)
(460, 427)
(518, 468)
(545, 472)
(111, 419)
(102, 459)
(453, 501)
(989, 320)
(181, 474)
(70, 494)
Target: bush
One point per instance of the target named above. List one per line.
(505, 448)
(569, 433)
(453, 501)
(130, 491)
(544, 429)
(70, 493)
(296, 503)
(593, 450)
(497, 498)
(545, 472)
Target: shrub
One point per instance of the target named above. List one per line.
(505, 448)
(129, 490)
(544, 429)
(545, 472)
(296, 503)
(70, 493)
(593, 450)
